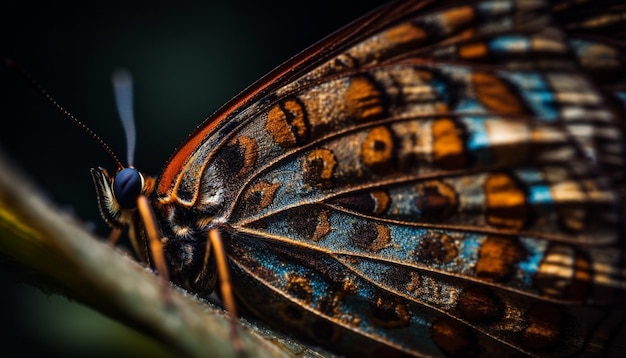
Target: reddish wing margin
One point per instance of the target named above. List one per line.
(288, 71)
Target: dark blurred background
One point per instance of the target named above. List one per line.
(186, 59)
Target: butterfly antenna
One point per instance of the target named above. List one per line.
(123, 88)
(30, 79)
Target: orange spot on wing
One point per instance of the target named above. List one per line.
(459, 17)
(496, 94)
(377, 148)
(287, 123)
(363, 100)
(506, 202)
(448, 144)
(473, 51)
(498, 258)
(405, 33)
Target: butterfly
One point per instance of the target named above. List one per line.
(434, 179)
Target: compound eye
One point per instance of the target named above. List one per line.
(127, 186)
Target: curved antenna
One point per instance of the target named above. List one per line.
(68, 115)
(123, 89)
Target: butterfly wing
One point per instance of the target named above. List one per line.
(438, 180)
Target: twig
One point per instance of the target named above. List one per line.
(51, 250)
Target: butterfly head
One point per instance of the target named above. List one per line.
(127, 186)
(189, 261)
(117, 195)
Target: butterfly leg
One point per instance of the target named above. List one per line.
(156, 245)
(114, 236)
(225, 287)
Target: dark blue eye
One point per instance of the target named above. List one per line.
(127, 187)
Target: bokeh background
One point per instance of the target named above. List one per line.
(187, 58)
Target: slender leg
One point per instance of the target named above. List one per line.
(156, 245)
(226, 287)
(115, 234)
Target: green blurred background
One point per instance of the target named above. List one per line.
(186, 58)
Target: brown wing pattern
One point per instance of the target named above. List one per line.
(438, 179)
